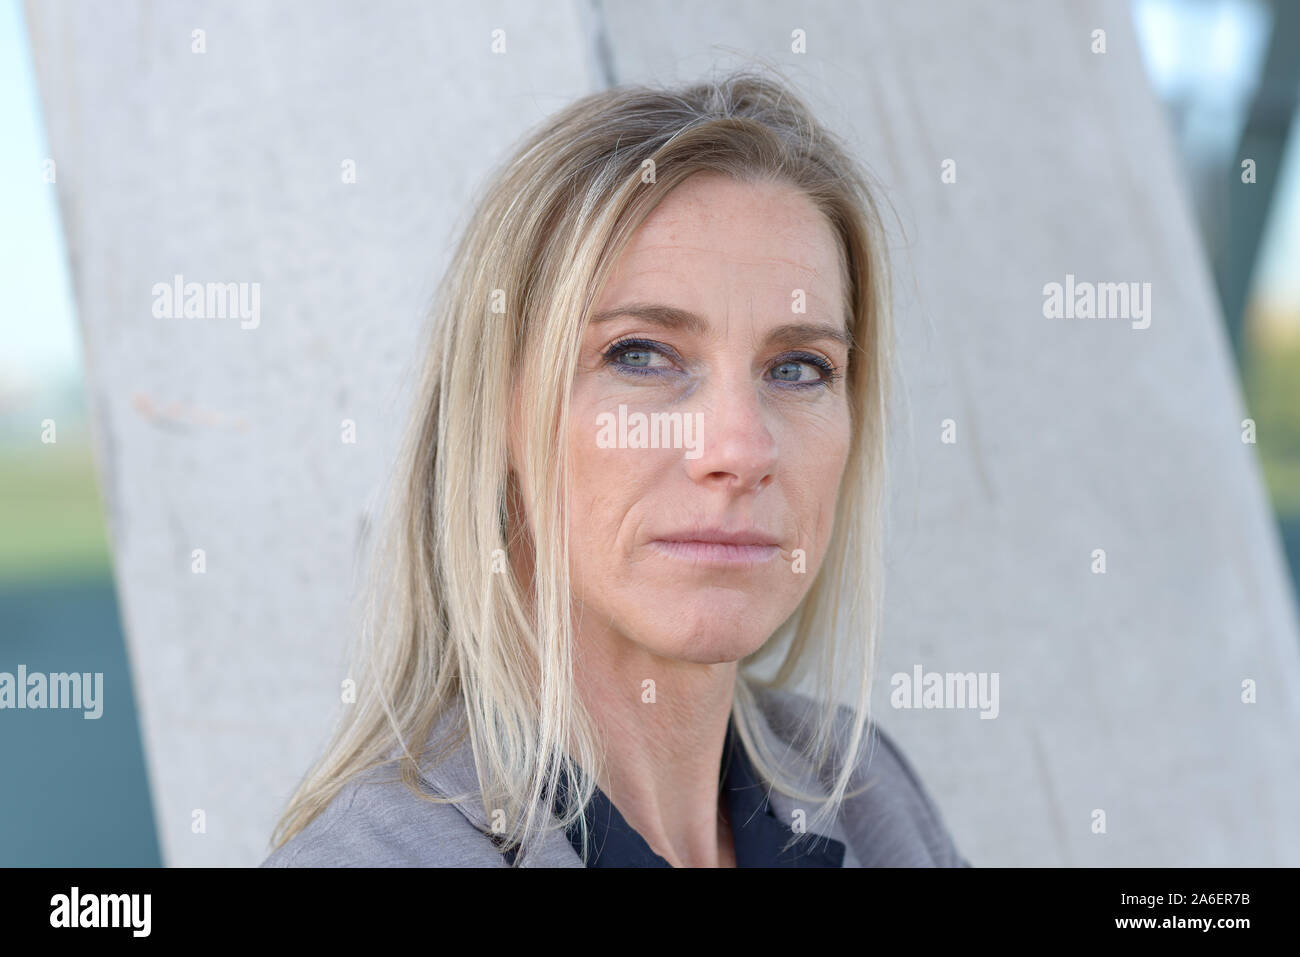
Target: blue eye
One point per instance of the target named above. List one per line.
(790, 370)
(637, 356)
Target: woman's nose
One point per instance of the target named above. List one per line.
(737, 449)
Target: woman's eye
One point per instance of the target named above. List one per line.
(791, 371)
(637, 356)
(805, 370)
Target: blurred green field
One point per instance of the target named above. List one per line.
(51, 518)
(1272, 385)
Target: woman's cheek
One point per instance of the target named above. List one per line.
(815, 456)
(596, 477)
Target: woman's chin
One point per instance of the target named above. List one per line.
(708, 632)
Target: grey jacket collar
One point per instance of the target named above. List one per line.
(456, 775)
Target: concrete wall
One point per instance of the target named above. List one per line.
(1118, 691)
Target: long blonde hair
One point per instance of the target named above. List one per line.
(447, 620)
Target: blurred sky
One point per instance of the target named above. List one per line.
(1206, 56)
(1206, 52)
(41, 347)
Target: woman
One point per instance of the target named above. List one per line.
(648, 448)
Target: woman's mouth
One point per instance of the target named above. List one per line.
(717, 547)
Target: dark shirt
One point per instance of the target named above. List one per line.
(759, 835)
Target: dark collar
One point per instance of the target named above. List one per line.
(758, 834)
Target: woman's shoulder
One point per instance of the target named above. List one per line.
(891, 820)
(375, 820)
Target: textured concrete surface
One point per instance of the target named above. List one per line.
(1118, 691)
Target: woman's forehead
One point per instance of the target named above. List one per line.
(762, 217)
(719, 239)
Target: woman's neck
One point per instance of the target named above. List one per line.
(662, 723)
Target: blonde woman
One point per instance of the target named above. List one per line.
(646, 459)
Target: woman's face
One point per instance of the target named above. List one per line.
(710, 422)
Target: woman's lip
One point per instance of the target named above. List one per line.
(715, 553)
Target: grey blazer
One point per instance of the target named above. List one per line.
(375, 821)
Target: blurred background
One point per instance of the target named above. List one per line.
(1227, 72)
(82, 797)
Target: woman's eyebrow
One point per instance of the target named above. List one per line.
(793, 333)
(670, 317)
